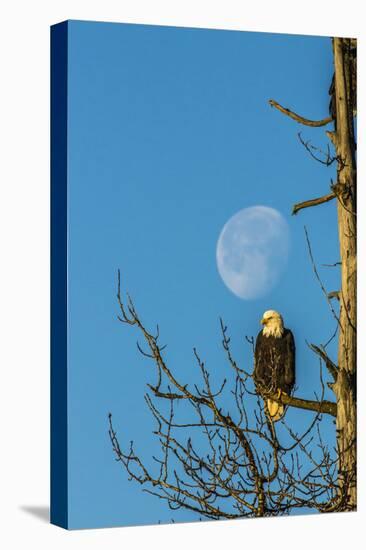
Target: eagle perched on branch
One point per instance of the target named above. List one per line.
(274, 368)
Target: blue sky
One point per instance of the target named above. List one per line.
(171, 134)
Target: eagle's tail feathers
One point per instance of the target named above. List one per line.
(275, 410)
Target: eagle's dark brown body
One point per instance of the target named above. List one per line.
(274, 367)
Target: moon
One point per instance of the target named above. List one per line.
(252, 251)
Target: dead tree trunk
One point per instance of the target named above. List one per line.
(345, 189)
(343, 104)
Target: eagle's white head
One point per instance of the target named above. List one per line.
(272, 323)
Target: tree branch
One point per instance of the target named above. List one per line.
(328, 158)
(247, 466)
(332, 368)
(327, 407)
(320, 281)
(312, 202)
(298, 118)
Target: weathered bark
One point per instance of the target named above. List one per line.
(345, 385)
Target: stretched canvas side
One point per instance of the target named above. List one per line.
(59, 492)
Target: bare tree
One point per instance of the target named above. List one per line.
(238, 463)
(343, 110)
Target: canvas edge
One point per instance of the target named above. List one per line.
(59, 220)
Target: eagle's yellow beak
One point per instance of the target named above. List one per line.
(263, 321)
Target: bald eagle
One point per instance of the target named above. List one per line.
(274, 368)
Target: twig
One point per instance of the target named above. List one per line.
(320, 281)
(332, 367)
(329, 159)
